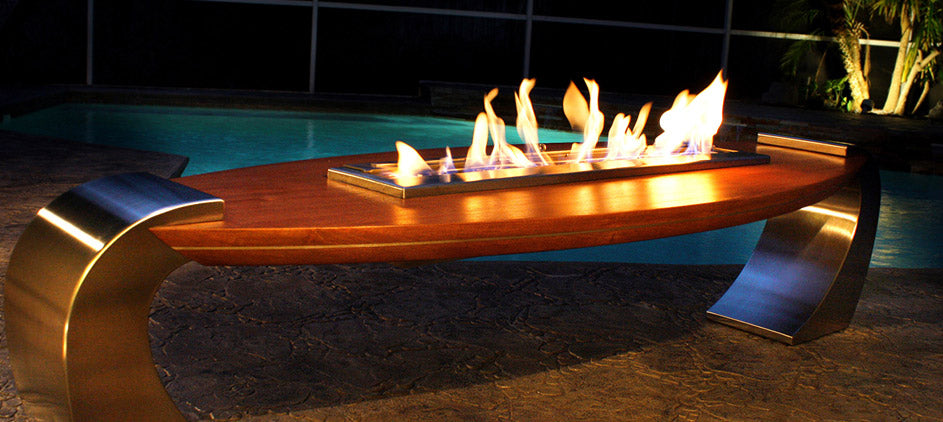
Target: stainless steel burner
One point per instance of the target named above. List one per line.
(380, 176)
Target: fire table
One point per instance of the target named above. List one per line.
(82, 276)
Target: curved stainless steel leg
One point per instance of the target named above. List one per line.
(78, 293)
(805, 277)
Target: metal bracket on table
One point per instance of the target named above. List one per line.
(806, 274)
(78, 292)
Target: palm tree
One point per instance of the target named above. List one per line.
(929, 76)
(848, 32)
(921, 28)
(841, 19)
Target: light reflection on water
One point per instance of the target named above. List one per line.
(909, 229)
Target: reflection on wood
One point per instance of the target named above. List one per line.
(289, 213)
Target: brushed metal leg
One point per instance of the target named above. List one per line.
(805, 277)
(79, 288)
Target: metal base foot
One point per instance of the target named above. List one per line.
(805, 277)
(79, 288)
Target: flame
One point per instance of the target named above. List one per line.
(446, 164)
(575, 107)
(626, 144)
(527, 123)
(495, 128)
(692, 119)
(503, 154)
(622, 142)
(592, 127)
(409, 163)
(690, 124)
(477, 157)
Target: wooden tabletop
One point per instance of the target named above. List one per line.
(289, 213)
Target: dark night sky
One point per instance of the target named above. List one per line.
(182, 43)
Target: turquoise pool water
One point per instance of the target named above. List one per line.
(909, 230)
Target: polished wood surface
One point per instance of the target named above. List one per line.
(289, 213)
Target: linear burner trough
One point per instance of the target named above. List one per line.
(380, 177)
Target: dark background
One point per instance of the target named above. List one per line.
(184, 43)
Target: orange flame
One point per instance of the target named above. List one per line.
(409, 163)
(592, 127)
(624, 143)
(477, 157)
(527, 123)
(575, 107)
(503, 154)
(692, 121)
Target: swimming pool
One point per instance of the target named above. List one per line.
(909, 229)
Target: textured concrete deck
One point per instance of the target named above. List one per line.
(491, 341)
